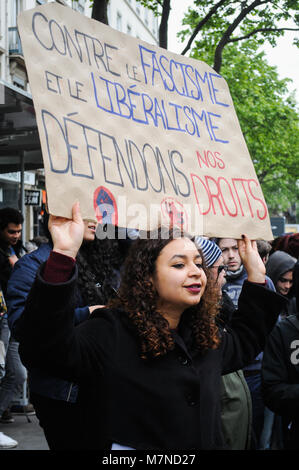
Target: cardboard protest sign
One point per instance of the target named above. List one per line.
(138, 134)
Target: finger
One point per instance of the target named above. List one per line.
(247, 241)
(76, 212)
(254, 245)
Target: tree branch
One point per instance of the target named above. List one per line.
(163, 27)
(99, 11)
(225, 38)
(265, 173)
(259, 30)
(201, 24)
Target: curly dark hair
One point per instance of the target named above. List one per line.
(98, 267)
(138, 297)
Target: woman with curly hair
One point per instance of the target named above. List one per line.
(151, 362)
(56, 400)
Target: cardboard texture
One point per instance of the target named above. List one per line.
(139, 135)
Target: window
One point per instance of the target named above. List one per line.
(18, 81)
(129, 29)
(146, 16)
(119, 21)
(78, 5)
(16, 9)
(154, 25)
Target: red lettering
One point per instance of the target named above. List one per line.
(221, 165)
(242, 182)
(213, 164)
(210, 159)
(207, 193)
(258, 199)
(227, 195)
(236, 191)
(229, 199)
(216, 195)
(200, 158)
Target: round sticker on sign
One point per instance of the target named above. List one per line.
(105, 206)
(174, 212)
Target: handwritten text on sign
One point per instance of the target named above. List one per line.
(136, 133)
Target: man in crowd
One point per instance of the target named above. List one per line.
(235, 277)
(280, 370)
(236, 408)
(279, 268)
(11, 221)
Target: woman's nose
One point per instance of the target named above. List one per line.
(195, 270)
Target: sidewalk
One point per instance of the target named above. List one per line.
(30, 436)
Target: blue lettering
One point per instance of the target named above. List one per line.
(110, 144)
(185, 109)
(143, 63)
(215, 127)
(177, 107)
(215, 90)
(168, 74)
(61, 165)
(203, 79)
(122, 100)
(81, 161)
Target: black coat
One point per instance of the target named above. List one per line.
(172, 402)
(280, 376)
(5, 266)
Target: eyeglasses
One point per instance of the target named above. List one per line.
(220, 268)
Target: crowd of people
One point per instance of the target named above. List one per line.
(168, 341)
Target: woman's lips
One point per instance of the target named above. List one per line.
(194, 288)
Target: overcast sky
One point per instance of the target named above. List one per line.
(285, 56)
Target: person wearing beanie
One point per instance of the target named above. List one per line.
(236, 406)
(279, 268)
(280, 370)
(235, 276)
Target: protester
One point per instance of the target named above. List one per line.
(11, 221)
(270, 430)
(236, 273)
(279, 268)
(235, 277)
(289, 243)
(155, 357)
(55, 400)
(236, 407)
(264, 248)
(280, 372)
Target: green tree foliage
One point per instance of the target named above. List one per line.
(268, 118)
(223, 22)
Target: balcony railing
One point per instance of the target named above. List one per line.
(14, 42)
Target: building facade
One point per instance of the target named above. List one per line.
(22, 182)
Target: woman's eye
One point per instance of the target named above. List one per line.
(200, 266)
(178, 266)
